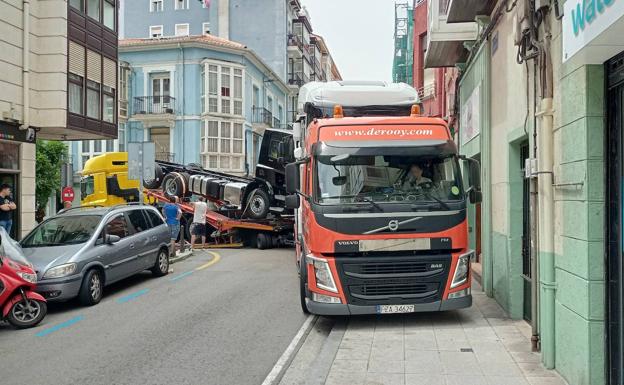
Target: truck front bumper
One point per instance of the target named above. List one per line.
(348, 309)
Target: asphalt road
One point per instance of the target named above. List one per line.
(227, 323)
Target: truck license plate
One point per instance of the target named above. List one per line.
(390, 309)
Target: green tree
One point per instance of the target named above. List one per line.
(50, 157)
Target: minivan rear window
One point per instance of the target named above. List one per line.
(138, 221)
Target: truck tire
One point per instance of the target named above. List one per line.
(175, 184)
(258, 205)
(263, 241)
(157, 181)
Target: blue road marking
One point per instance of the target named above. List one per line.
(181, 276)
(60, 326)
(132, 296)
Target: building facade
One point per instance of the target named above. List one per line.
(58, 78)
(540, 105)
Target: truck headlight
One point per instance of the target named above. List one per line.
(322, 272)
(461, 270)
(32, 278)
(60, 271)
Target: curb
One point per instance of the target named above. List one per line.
(180, 256)
(282, 365)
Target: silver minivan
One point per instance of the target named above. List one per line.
(78, 252)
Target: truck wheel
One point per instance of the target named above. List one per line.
(263, 241)
(176, 184)
(259, 204)
(157, 181)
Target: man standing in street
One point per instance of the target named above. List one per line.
(172, 214)
(6, 207)
(198, 228)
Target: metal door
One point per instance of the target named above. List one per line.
(614, 207)
(526, 234)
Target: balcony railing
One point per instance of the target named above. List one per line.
(262, 116)
(427, 91)
(165, 156)
(154, 105)
(297, 79)
(295, 41)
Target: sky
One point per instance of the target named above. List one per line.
(359, 34)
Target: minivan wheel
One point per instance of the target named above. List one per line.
(161, 267)
(92, 287)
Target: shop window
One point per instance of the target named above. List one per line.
(9, 156)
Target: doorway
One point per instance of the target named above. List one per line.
(161, 94)
(527, 275)
(614, 207)
(162, 142)
(11, 179)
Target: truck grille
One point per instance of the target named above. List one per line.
(393, 279)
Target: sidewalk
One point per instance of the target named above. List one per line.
(475, 346)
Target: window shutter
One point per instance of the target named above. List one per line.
(76, 59)
(110, 73)
(94, 66)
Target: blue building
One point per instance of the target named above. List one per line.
(262, 25)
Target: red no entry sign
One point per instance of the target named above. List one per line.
(67, 195)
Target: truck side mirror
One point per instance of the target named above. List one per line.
(474, 170)
(292, 178)
(292, 201)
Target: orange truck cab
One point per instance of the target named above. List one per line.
(380, 202)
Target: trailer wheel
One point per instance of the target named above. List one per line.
(175, 184)
(259, 204)
(263, 241)
(157, 181)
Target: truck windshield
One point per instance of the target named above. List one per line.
(387, 179)
(63, 230)
(86, 186)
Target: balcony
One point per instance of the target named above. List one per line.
(297, 79)
(427, 91)
(261, 117)
(165, 156)
(445, 45)
(154, 105)
(464, 11)
(295, 46)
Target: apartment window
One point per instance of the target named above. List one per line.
(156, 6)
(93, 99)
(156, 31)
(213, 87)
(280, 113)
(206, 28)
(97, 146)
(270, 104)
(223, 145)
(86, 146)
(225, 90)
(123, 91)
(238, 91)
(202, 85)
(181, 4)
(110, 145)
(93, 9)
(76, 89)
(181, 29)
(109, 14)
(121, 137)
(108, 101)
(77, 4)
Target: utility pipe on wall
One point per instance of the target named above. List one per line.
(26, 65)
(546, 205)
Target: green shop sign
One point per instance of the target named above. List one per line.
(586, 12)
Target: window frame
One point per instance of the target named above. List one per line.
(188, 29)
(185, 5)
(162, 31)
(156, 8)
(110, 93)
(223, 97)
(232, 140)
(113, 3)
(98, 89)
(204, 27)
(82, 5)
(80, 84)
(100, 10)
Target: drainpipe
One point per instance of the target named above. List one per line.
(183, 103)
(546, 206)
(26, 65)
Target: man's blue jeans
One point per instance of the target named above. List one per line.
(7, 225)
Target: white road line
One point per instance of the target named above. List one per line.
(288, 355)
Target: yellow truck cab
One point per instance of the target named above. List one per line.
(105, 181)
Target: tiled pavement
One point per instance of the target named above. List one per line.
(475, 346)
